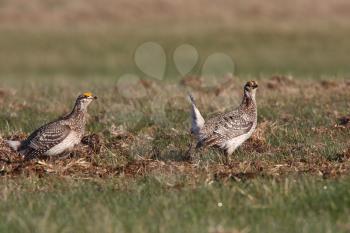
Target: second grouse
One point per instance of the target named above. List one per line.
(228, 130)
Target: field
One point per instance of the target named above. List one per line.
(132, 172)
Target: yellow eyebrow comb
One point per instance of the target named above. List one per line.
(87, 94)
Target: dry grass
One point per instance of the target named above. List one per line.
(144, 149)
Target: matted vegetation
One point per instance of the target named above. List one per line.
(300, 131)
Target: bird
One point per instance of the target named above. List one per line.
(58, 136)
(226, 131)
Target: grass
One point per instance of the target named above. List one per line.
(132, 175)
(171, 204)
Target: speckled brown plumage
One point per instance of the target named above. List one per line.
(57, 136)
(227, 130)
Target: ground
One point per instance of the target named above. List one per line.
(132, 172)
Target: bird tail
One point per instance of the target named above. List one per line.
(13, 144)
(197, 119)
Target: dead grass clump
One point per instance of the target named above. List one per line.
(120, 139)
(7, 155)
(82, 167)
(119, 143)
(327, 84)
(94, 141)
(193, 81)
(148, 83)
(227, 84)
(280, 81)
(342, 157)
(199, 84)
(258, 142)
(17, 137)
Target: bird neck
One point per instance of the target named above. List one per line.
(248, 102)
(78, 113)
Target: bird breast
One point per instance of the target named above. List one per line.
(69, 142)
(232, 144)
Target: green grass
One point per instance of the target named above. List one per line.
(304, 204)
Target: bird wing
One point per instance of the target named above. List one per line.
(229, 126)
(48, 136)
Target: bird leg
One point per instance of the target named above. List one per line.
(189, 155)
(227, 158)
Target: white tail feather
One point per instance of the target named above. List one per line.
(197, 119)
(14, 144)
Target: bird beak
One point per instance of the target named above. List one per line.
(95, 97)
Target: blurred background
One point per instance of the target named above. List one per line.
(98, 38)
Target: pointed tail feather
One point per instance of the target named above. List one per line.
(197, 119)
(13, 144)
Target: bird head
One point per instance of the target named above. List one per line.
(84, 100)
(250, 88)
